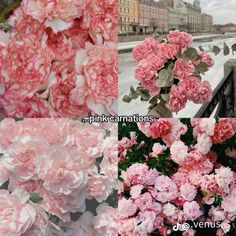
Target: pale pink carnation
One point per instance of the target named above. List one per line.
(16, 213)
(179, 152)
(59, 171)
(188, 192)
(105, 222)
(192, 210)
(126, 208)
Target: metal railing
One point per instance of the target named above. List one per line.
(223, 99)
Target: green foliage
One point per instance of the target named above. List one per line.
(226, 49)
(8, 9)
(216, 50)
(35, 197)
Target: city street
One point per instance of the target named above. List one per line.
(126, 76)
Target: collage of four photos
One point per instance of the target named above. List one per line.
(118, 118)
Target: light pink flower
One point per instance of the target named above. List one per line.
(181, 39)
(188, 192)
(16, 214)
(192, 210)
(206, 58)
(105, 222)
(179, 152)
(22, 155)
(126, 208)
(59, 171)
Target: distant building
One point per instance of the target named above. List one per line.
(194, 19)
(207, 22)
(228, 28)
(128, 16)
(152, 18)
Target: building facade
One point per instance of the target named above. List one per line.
(207, 22)
(128, 16)
(194, 18)
(152, 18)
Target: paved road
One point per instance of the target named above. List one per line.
(126, 78)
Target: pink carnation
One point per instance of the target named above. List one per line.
(183, 70)
(16, 214)
(192, 210)
(206, 58)
(177, 100)
(181, 39)
(188, 192)
(148, 46)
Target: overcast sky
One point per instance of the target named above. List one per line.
(223, 11)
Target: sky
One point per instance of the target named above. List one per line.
(223, 11)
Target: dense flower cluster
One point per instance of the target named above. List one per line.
(60, 60)
(173, 64)
(195, 187)
(49, 170)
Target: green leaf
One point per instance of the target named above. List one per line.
(35, 197)
(153, 100)
(127, 99)
(226, 49)
(133, 93)
(163, 74)
(165, 97)
(216, 50)
(144, 94)
(191, 53)
(234, 48)
(201, 68)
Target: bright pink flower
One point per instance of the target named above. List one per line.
(167, 51)
(206, 58)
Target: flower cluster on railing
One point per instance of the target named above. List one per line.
(59, 59)
(175, 173)
(54, 173)
(169, 72)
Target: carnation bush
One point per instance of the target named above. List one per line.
(169, 73)
(59, 59)
(175, 174)
(58, 177)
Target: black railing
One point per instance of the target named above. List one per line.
(222, 103)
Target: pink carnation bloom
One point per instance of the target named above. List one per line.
(192, 210)
(28, 64)
(126, 208)
(16, 214)
(135, 174)
(179, 152)
(183, 70)
(177, 100)
(22, 155)
(167, 51)
(148, 46)
(99, 71)
(59, 171)
(206, 58)
(188, 192)
(105, 222)
(181, 39)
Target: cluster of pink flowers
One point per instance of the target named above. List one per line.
(152, 57)
(200, 189)
(60, 60)
(52, 168)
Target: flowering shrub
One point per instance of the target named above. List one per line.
(177, 173)
(169, 72)
(54, 173)
(59, 59)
